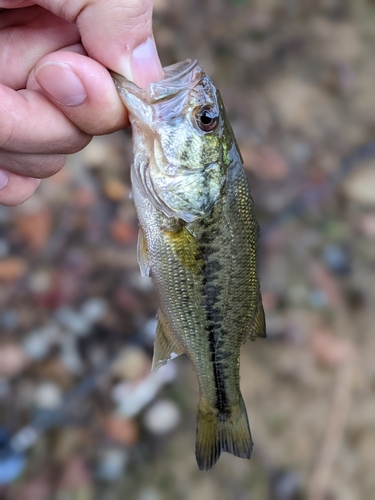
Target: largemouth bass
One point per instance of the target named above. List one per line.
(197, 241)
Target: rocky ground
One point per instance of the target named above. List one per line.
(77, 320)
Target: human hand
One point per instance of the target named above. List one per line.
(55, 90)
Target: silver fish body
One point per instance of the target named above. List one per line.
(198, 237)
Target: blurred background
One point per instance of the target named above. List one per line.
(81, 417)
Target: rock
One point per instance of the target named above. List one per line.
(39, 341)
(359, 186)
(131, 398)
(40, 281)
(162, 417)
(112, 464)
(48, 396)
(12, 268)
(150, 329)
(96, 154)
(75, 322)
(94, 309)
(132, 365)
(13, 360)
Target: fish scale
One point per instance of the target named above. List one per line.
(198, 243)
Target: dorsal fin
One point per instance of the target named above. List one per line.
(165, 347)
(258, 328)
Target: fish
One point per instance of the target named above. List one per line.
(197, 241)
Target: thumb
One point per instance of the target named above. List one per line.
(116, 33)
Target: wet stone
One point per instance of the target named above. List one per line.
(162, 417)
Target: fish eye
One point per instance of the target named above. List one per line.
(207, 119)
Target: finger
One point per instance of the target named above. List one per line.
(30, 123)
(15, 4)
(15, 189)
(83, 89)
(116, 33)
(32, 165)
(26, 35)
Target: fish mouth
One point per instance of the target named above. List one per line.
(178, 70)
(178, 77)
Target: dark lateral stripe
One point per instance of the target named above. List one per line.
(212, 294)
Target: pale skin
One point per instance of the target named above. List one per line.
(55, 90)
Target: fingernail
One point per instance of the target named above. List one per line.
(3, 179)
(145, 64)
(61, 83)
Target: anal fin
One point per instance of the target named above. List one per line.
(165, 347)
(258, 327)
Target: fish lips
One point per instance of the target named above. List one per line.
(179, 78)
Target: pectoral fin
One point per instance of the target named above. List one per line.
(165, 347)
(258, 328)
(186, 249)
(142, 255)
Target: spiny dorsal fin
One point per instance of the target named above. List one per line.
(142, 254)
(165, 347)
(258, 328)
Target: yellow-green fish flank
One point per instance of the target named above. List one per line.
(198, 237)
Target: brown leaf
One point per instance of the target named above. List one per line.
(12, 269)
(116, 190)
(122, 430)
(35, 229)
(123, 232)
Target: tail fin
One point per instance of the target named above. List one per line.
(219, 432)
